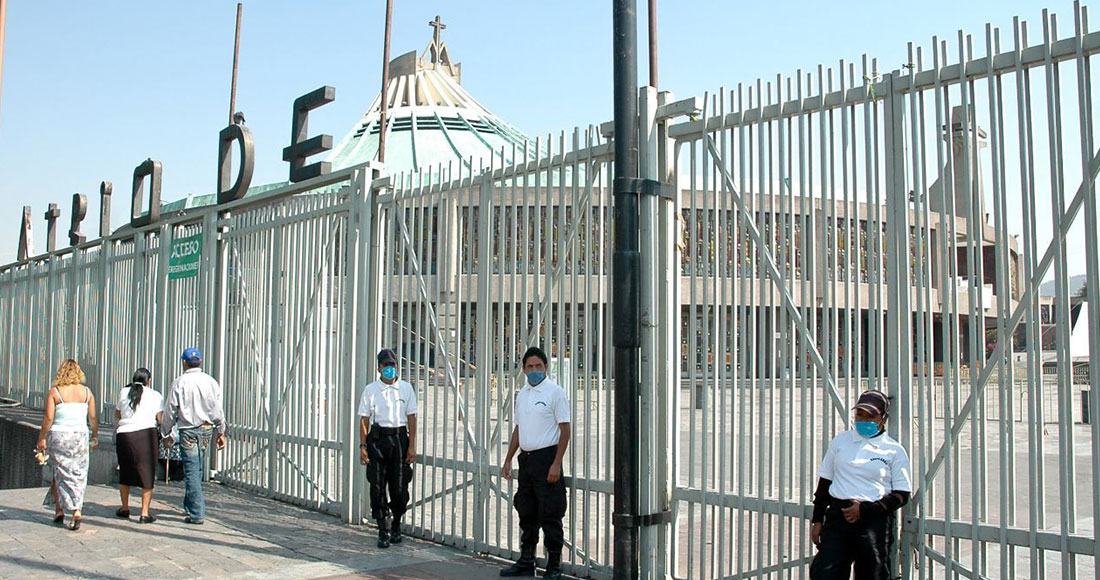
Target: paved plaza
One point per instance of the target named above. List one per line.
(244, 537)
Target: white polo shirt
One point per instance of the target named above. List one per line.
(388, 405)
(538, 411)
(865, 469)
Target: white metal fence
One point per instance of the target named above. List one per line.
(829, 232)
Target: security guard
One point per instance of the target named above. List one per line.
(387, 446)
(542, 429)
(864, 478)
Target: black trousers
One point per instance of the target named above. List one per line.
(388, 473)
(540, 504)
(865, 545)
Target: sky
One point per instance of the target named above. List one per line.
(91, 89)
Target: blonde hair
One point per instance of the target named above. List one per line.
(69, 373)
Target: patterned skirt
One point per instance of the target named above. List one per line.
(69, 462)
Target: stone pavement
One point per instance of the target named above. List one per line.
(244, 537)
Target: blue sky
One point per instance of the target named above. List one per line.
(90, 89)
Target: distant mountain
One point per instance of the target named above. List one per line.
(1075, 284)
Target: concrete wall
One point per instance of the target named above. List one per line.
(18, 468)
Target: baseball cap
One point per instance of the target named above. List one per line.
(387, 356)
(874, 402)
(191, 356)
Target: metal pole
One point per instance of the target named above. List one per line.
(625, 282)
(236, 55)
(653, 43)
(384, 96)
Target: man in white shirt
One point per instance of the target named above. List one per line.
(541, 434)
(194, 405)
(387, 446)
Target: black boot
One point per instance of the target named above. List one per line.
(525, 566)
(395, 532)
(553, 567)
(384, 533)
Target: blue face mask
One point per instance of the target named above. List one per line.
(389, 373)
(867, 429)
(536, 377)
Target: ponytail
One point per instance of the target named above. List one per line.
(137, 385)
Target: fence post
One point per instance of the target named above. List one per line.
(485, 354)
(364, 322)
(106, 251)
(160, 353)
(659, 353)
(899, 320)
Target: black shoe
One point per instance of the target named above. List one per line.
(395, 533)
(525, 566)
(384, 526)
(123, 513)
(59, 518)
(147, 519)
(553, 567)
(188, 520)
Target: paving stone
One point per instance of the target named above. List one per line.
(244, 536)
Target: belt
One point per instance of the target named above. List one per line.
(543, 450)
(385, 431)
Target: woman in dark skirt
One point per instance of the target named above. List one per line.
(138, 412)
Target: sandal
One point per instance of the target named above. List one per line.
(123, 513)
(58, 518)
(74, 524)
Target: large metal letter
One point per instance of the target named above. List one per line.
(247, 162)
(80, 210)
(300, 147)
(105, 190)
(51, 227)
(26, 240)
(151, 169)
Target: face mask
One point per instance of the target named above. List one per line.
(867, 429)
(536, 377)
(389, 373)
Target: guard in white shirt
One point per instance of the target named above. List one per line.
(864, 478)
(387, 446)
(541, 434)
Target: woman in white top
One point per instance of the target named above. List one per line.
(70, 408)
(138, 411)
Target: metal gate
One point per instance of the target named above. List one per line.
(478, 264)
(848, 229)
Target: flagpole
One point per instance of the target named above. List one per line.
(385, 82)
(236, 55)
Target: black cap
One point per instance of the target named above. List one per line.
(874, 402)
(387, 356)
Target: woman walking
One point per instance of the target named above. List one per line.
(138, 412)
(70, 408)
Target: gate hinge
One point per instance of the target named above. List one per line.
(646, 187)
(643, 521)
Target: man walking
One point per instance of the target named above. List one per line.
(194, 405)
(541, 433)
(387, 446)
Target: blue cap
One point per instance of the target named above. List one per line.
(192, 356)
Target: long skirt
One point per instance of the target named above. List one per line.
(69, 462)
(137, 458)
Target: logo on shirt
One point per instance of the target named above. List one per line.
(543, 403)
(884, 462)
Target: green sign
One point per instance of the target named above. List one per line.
(183, 262)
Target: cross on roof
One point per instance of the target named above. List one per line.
(438, 25)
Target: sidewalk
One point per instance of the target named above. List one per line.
(243, 537)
